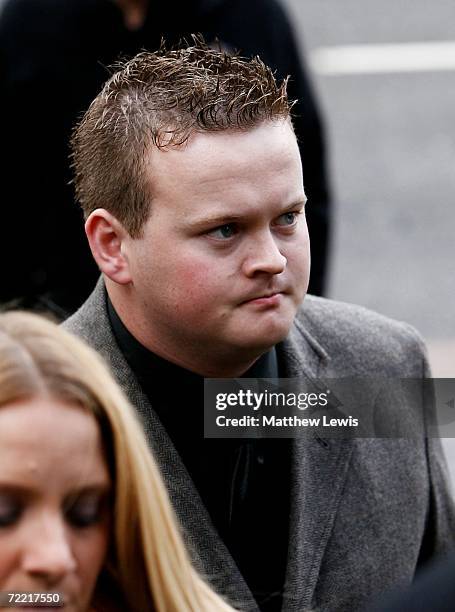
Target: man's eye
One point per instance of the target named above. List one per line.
(10, 511)
(289, 218)
(85, 511)
(224, 231)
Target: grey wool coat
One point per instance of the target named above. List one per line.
(362, 510)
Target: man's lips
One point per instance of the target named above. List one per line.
(267, 298)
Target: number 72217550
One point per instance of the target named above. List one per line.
(18, 599)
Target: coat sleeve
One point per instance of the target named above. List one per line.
(439, 537)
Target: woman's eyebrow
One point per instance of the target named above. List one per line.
(24, 490)
(95, 487)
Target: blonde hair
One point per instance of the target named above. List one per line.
(148, 560)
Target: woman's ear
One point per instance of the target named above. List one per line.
(105, 236)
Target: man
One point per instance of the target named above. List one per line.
(189, 176)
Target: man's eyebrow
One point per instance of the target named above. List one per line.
(214, 220)
(297, 203)
(224, 219)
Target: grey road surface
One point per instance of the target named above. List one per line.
(392, 143)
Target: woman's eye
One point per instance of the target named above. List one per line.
(289, 218)
(224, 231)
(10, 511)
(85, 511)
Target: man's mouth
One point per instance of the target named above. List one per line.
(265, 299)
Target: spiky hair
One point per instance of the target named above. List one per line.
(160, 99)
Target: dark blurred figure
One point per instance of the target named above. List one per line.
(53, 60)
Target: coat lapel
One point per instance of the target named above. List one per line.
(319, 470)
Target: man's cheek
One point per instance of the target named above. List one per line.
(299, 257)
(198, 282)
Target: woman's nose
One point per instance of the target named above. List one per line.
(47, 554)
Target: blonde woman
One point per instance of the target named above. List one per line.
(84, 515)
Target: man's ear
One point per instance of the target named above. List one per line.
(106, 236)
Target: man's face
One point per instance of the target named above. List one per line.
(223, 262)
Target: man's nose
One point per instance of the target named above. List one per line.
(264, 256)
(47, 553)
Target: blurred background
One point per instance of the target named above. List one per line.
(389, 109)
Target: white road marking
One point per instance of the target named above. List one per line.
(384, 58)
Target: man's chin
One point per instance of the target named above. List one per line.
(264, 337)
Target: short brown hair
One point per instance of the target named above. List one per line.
(160, 99)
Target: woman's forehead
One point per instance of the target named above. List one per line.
(50, 443)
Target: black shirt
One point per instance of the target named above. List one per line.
(243, 483)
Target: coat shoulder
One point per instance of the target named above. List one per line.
(362, 340)
(91, 321)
